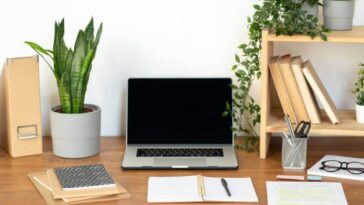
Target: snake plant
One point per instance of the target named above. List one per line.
(71, 68)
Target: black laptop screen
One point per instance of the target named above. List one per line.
(178, 111)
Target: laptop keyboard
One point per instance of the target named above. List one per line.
(178, 152)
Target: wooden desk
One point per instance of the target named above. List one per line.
(16, 188)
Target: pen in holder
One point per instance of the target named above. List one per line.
(294, 145)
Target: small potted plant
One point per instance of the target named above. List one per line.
(75, 126)
(359, 91)
(338, 14)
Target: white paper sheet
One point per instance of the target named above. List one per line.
(173, 189)
(241, 189)
(303, 193)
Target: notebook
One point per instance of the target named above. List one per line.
(199, 189)
(83, 177)
(315, 169)
(85, 183)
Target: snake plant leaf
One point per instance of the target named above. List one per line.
(76, 68)
(64, 93)
(41, 51)
(72, 68)
(60, 49)
(89, 33)
(98, 35)
(39, 48)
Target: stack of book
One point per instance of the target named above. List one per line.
(297, 84)
(78, 184)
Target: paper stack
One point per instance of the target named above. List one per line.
(77, 185)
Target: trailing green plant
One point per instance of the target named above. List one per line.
(285, 17)
(71, 68)
(359, 85)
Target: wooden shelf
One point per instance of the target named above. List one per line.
(347, 127)
(353, 36)
(271, 120)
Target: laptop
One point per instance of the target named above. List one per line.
(177, 123)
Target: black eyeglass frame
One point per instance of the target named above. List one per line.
(343, 166)
(302, 129)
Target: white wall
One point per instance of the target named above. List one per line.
(158, 38)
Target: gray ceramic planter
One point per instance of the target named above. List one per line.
(338, 14)
(76, 135)
(311, 10)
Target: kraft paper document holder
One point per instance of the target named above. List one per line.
(20, 121)
(41, 182)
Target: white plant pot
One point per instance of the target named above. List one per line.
(76, 135)
(359, 113)
(338, 14)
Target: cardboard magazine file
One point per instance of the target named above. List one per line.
(20, 121)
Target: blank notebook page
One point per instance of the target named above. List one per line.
(173, 189)
(241, 189)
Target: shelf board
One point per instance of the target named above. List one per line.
(347, 126)
(356, 35)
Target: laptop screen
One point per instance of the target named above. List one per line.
(179, 111)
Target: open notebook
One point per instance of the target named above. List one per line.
(199, 189)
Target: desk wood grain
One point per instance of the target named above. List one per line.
(16, 188)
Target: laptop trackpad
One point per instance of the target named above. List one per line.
(168, 162)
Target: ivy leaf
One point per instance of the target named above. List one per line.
(237, 59)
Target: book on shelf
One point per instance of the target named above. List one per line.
(320, 91)
(309, 99)
(292, 88)
(281, 89)
(342, 173)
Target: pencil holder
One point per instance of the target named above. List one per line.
(294, 153)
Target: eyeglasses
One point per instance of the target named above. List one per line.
(334, 166)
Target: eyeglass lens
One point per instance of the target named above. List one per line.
(355, 167)
(331, 166)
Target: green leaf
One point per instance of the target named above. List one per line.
(89, 32)
(39, 48)
(227, 106)
(225, 114)
(237, 59)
